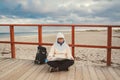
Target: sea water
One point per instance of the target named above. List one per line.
(46, 30)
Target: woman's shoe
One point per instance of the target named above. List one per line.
(63, 69)
(54, 69)
(66, 69)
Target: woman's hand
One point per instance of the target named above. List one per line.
(49, 58)
(66, 55)
(72, 58)
(69, 57)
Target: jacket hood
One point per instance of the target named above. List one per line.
(57, 45)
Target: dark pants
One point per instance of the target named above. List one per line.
(63, 64)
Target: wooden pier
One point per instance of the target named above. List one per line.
(17, 69)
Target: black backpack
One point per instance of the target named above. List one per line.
(41, 55)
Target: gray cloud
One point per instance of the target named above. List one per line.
(60, 11)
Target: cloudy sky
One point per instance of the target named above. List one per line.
(60, 11)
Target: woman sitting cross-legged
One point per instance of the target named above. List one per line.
(60, 57)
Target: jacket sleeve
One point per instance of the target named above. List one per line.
(69, 53)
(51, 53)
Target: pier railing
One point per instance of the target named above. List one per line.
(109, 46)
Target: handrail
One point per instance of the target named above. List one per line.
(109, 46)
(62, 25)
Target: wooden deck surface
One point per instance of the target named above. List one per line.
(14, 69)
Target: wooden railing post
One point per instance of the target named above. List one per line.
(40, 34)
(12, 41)
(109, 41)
(73, 40)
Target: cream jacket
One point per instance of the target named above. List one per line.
(60, 51)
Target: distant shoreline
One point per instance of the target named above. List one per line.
(6, 34)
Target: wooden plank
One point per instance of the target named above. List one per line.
(11, 68)
(23, 71)
(56, 76)
(92, 73)
(53, 75)
(1, 60)
(42, 74)
(107, 74)
(63, 75)
(79, 73)
(71, 73)
(29, 72)
(6, 64)
(4, 61)
(47, 74)
(16, 73)
(35, 73)
(4, 70)
(117, 70)
(99, 73)
(86, 74)
(114, 74)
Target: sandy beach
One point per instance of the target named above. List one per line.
(82, 55)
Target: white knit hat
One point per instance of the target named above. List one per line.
(60, 35)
